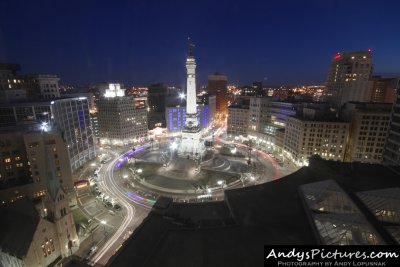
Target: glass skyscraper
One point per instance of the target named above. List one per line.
(71, 117)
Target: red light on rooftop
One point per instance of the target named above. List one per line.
(369, 50)
(337, 56)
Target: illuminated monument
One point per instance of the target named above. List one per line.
(192, 145)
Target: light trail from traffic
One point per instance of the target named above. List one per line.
(129, 199)
(262, 153)
(108, 186)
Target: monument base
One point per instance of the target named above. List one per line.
(192, 145)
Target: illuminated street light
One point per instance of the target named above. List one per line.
(220, 182)
(125, 176)
(182, 96)
(44, 127)
(139, 170)
(173, 146)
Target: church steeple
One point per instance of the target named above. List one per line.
(53, 182)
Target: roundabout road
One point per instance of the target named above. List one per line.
(134, 212)
(135, 206)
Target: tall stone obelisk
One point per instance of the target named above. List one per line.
(192, 145)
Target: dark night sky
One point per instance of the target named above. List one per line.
(140, 42)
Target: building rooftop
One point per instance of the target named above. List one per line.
(371, 106)
(18, 224)
(233, 232)
(239, 106)
(319, 119)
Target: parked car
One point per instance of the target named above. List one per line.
(91, 251)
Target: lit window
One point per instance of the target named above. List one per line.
(7, 160)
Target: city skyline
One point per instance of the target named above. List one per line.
(199, 133)
(279, 44)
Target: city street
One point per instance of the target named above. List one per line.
(134, 214)
(108, 228)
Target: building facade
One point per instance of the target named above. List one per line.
(24, 172)
(392, 146)
(383, 89)
(306, 136)
(119, 120)
(17, 113)
(238, 120)
(42, 86)
(15, 173)
(72, 119)
(211, 102)
(368, 131)
(176, 117)
(156, 97)
(349, 78)
(37, 235)
(10, 84)
(25, 169)
(218, 86)
(266, 116)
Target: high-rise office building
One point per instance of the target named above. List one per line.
(72, 118)
(24, 168)
(156, 96)
(218, 86)
(349, 78)
(392, 146)
(119, 120)
(383, 89)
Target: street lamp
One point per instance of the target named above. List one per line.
(139, 170)
(173, 146)
(44, 126)
(103, 222)
(221, 183)
(182, 96)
